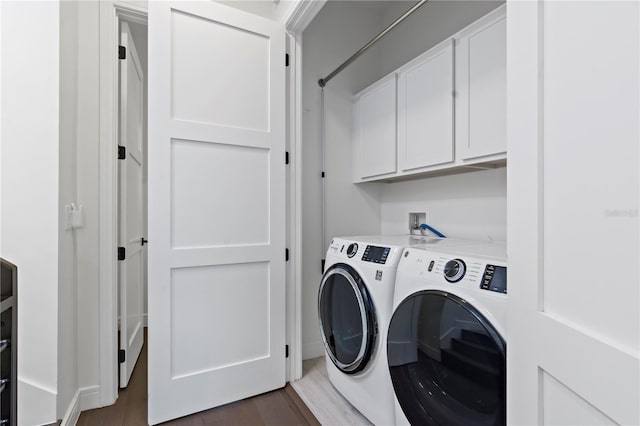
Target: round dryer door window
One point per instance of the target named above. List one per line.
(447, 362)
(347, 318)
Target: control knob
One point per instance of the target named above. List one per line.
(454, 270)
(352, 250)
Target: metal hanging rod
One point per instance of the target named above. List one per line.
(323, 81)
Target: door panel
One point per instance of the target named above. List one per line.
(216, 207)
(574, 315)
(131, 269)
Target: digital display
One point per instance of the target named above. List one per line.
(376, 254)
(494, 279)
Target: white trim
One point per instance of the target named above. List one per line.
(302, 15)
(86, 398)
(298, 20)
(72, 414)
(89, 397)
(110, 13)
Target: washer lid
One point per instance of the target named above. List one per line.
(447, 362)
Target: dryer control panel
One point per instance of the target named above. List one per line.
(376, 254)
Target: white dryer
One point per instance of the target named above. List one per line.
(446, 345)
(354, 306)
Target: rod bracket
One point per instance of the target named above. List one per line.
(321, 82)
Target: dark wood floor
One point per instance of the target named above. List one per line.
(281, 407)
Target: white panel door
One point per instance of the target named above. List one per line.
(425, 109)
(375, 132)
(216, 207)
(130, 174)
(573, 226)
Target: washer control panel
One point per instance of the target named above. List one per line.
(494, 279)
(447, 270)
(376, 254)
(454, 270)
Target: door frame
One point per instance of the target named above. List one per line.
(111, 13)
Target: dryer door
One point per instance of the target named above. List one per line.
(447, 362)
(347, 318)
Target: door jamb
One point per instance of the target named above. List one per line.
(301, 16)
(111, 12)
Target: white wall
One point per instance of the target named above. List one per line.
(88, 181)
(67, 244)
(469, 205)
(338, 30)
(30, 196)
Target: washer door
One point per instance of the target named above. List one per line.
(447, 362)
(347, 318)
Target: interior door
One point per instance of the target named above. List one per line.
(216, 207)
(574, 299)
(130, 174)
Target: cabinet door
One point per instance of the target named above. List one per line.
(375, 129)
(425, 109)
(481, 87)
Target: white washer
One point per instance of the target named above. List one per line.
(354, 307)
(446, 345)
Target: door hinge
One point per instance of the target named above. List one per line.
(122, 52)
(121, 253)
(286, 255)
(286, 157)
(122, 152)
(286, 351)
(322, 266)
(286, 59)
(121, 356)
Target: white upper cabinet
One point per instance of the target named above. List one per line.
(375, 130)
(443, 112)
(425, 109)
(481, 87)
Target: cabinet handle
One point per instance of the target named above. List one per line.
(4, 422)
(3, 384)
(4, 344)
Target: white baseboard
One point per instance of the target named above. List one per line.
(72, 414)
(312, 349)
(86, 398)
(41, 406)
(90, 398)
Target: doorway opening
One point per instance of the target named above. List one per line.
(132, 194)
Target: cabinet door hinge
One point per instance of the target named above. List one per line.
(121, 253)
(122, 152)
(122, 52)
(286, 351)
(286, 255)
(286, 60)
(286, 157)
(121, 356)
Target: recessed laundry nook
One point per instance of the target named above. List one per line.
(336, 212)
